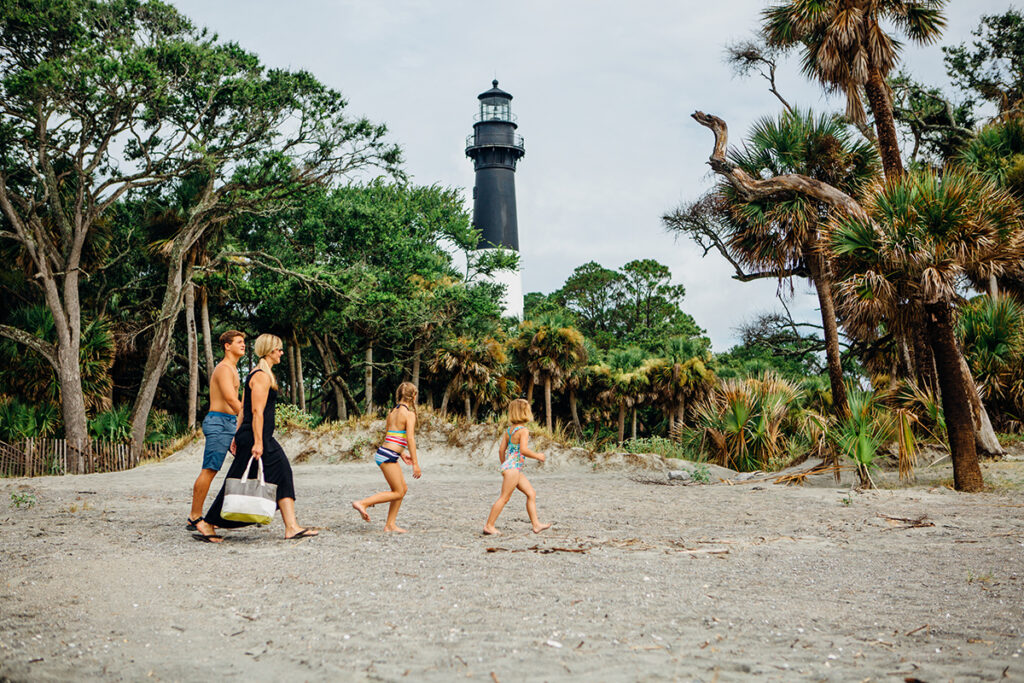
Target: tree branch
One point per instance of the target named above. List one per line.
(43, 348)
(753, 189)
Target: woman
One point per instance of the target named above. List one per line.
(255, 439)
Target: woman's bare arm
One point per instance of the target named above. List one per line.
(259, 387)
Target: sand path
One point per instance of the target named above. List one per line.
(99, 580)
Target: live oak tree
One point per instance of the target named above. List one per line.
(104, 98)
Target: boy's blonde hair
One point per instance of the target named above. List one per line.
(519, 411)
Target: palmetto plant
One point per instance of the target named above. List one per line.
(624, 384)
(741, 423)
(923, 233)
(783, 234)
(679, 380)
(870, 426)
(997, 152)
(471, 365)
(845, 46)
(30, 376)
(22, 420)
(992, 334)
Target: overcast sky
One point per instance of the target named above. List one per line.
(603, 91)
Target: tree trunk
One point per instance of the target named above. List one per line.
(204, 313)
(885, 124)
(924, 365)
(160, 345)
(681, 412)
(823, 285)
(476, 408)
(193, 355)
(331, 368)
(572, 411)
(417, 357)
(446, 397)
(469, 407)
(292, 389)
(622, 422)
(368, 380)
(993, 286)
(547, 402)
(300, 381)
(956, 403)
(985, 439)
(633, 430)
(529, 390)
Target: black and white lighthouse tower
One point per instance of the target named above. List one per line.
(495, 148)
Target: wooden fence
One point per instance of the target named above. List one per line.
(38, 457)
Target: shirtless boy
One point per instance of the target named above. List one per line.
(221, 422)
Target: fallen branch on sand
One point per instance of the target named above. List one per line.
(538, 549)
(921, 521)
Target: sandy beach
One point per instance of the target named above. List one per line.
(637, 580)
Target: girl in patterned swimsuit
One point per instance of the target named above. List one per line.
(399, 444)
(513, 451)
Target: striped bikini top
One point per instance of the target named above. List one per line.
(397, 436)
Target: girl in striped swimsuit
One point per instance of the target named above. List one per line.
(515, 444)
(399, 444)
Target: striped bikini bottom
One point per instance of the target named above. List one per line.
(385, 455)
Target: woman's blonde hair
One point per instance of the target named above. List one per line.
(519, 411)
(406, 393)
(266, 344)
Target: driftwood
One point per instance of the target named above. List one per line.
(751, 188)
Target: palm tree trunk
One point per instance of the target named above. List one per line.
(469, 407)
(985, 439)
(633, 429)
(204, 316)
(291, 373)
(193, 354)
(956, 403)
(529, 390)
(447, 396)
(622, 422)
(368, 380)
(823, 286)
(300, 381)
(476, 408)
(885, 124)
(417, 354)
(547, 401)
(572, 411)
(993, 286)
(681, 412)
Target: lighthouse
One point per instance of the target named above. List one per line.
(495, 148)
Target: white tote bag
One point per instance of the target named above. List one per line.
(249, 500)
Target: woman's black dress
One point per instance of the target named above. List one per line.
(276, 468)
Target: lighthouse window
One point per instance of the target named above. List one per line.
(498, 112)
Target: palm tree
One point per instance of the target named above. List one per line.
(554, 350)
(680, 378)
(922, 232)
(991, 332)
(844, 46)
(784, 233)
(625, 384)
(472, 364)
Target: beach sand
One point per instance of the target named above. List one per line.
(637, 580)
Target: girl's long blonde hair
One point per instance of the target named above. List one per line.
(265, 344)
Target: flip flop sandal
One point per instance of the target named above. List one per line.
(302, 534)
(207, 538)
(191, 524)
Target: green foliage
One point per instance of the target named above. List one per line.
(163, 426)
(288, 415)
(22, 498)
(701, 473)
(992, 68)
(992, 334)
(20, 420)
(745, 424)
(112, 425)
(657, 444)
(997, 152)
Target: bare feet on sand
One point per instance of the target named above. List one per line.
(491, 531)
(361, 510)
(541, 527)
(394, 529)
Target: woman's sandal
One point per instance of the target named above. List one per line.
(207, 538)
(191, 524)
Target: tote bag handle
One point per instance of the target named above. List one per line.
(245, 475)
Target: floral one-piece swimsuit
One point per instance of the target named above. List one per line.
(514, 460)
